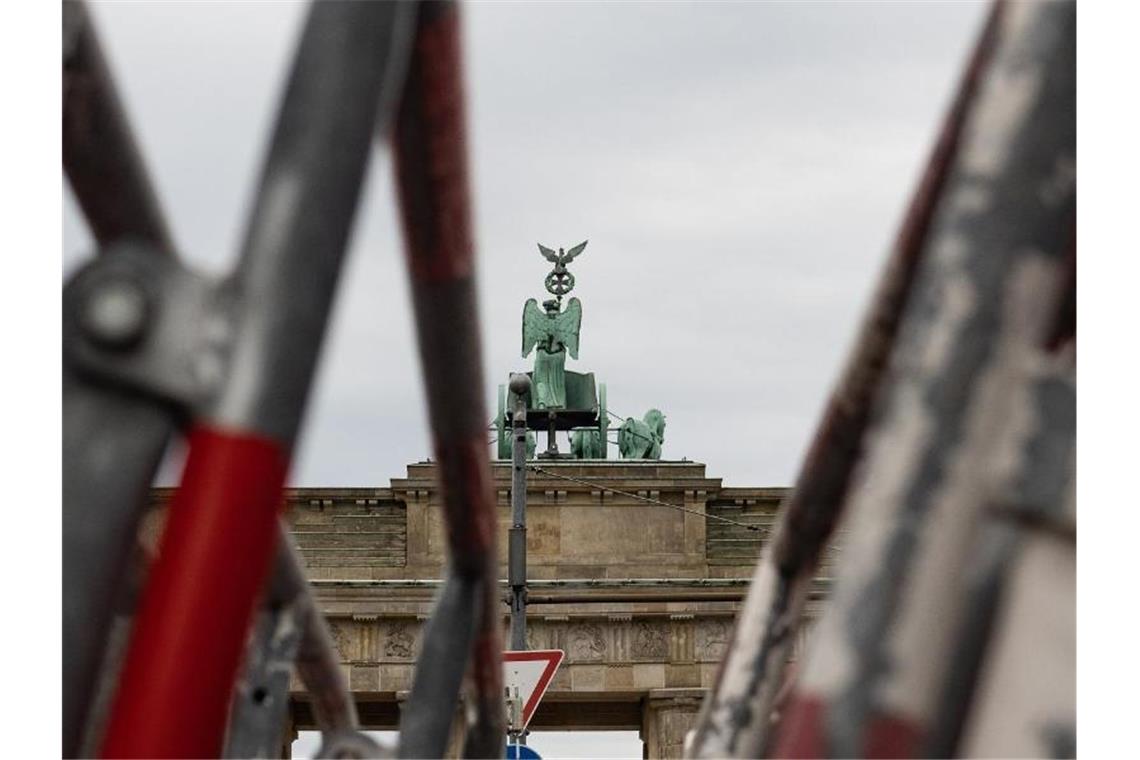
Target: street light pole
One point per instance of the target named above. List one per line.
(516, 549)
(516, 562)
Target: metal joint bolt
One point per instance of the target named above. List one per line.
(114, 313)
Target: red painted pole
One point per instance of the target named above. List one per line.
(191, 629)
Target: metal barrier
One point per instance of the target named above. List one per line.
(943, 409)
(946, 447)
(151, 350)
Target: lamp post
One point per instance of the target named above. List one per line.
(516, 562)
(516, 548)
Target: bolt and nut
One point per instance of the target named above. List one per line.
(114, 313)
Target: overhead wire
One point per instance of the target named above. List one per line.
(611, 414)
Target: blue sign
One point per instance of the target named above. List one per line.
(521, 752)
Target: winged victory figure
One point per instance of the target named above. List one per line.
(554, 334)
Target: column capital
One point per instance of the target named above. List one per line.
(668, 716)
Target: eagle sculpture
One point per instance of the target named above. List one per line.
(560, 281)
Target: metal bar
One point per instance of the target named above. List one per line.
(317, 661)
(487, 725)
(984, 583)
(112, 440)
(1036, 502)
(947, 437)
(433, 187)
(121, 328)
(192, 622)
(814, 505)
(1032, 655)
(112, 445)
(516, 560)
(292, 632)
(449, 634)
(306, 201)
(500, 426)
(735, 717)
(261, 696)
(219, 540)
(603, 421)
(102, 161)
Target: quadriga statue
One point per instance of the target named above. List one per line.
(587, 443)
(642, 439)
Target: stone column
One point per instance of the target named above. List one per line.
(666, 716)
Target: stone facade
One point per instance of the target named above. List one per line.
(641, 597)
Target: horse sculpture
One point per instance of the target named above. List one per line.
(642, 439)
(587, 443)
(590, 442)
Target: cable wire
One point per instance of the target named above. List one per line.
(656, 502)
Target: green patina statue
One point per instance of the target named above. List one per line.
(587, 443)
(503, 437)
(642, 439)
(562, 400)
(553, 333)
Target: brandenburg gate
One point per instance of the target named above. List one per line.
(641, 597)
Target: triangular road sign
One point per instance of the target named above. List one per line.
(529, 672)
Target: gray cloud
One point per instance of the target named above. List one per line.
(740, 170)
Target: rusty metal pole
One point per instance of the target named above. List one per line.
(430, 146)
(218, 544)
(975, 421)
(735, 719)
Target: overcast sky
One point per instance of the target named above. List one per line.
(739, 170)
